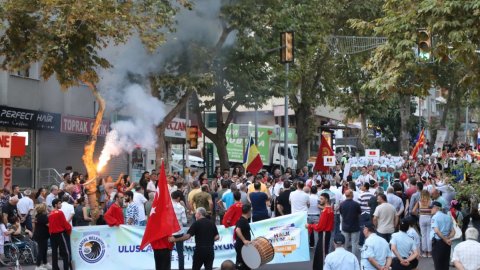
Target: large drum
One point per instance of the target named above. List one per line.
(258, 253)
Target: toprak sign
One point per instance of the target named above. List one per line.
(83, 126)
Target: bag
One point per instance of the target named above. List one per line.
(458, 231)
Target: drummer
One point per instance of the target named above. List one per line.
(242, 235)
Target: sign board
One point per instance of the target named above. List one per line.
(176, 128)
(28, 119)
(372, 153)
(243, 131)
(5, 144)
(329, 161)
(441, 138)
(7, 170)
(210, 159)
(82, 125)
(266, 136)
(11, 146)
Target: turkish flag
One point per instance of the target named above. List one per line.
(162, 222)
(323, 150)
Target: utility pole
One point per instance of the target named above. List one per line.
(286, 57)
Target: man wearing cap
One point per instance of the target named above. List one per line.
(376, 251)
(441, 234)
(340, 259)
(25, 207)
(465, 255)
(404, 249)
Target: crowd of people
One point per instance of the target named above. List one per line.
(369, 213)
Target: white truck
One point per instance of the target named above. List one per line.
(270, 145)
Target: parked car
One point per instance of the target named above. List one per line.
(195, 162)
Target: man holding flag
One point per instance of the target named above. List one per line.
(161, 225)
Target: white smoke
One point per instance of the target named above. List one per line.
(123, 86)
(145, 112)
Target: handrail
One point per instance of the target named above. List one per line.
(48, 177)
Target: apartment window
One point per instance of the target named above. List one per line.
(32, 72)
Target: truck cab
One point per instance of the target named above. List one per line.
(278, 155)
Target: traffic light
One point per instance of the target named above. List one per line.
(424, 42)
(192, 137)
(287, 54)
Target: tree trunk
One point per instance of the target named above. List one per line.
(447, 106)
(219, 138)
(89, 149)
(405, 114)
(303, 115)
(363, 129)
(161, 149)
(221, 145)
(457, 121)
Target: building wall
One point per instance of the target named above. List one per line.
(52, 149)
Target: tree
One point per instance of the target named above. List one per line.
(311, 78)
(65, 37)
(393, 65)
(224, 73)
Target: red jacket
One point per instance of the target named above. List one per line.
(325, 224)
(57, 223)
(232, 215)
(114, 216)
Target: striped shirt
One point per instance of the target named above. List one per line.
(364, 198)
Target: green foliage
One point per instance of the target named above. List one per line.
(65, 36)
(387, 116)
(471, 186)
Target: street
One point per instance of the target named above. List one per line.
(425, 264)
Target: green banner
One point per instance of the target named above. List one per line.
(266, 136)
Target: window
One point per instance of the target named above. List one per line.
(31, 72)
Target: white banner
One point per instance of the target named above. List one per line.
(103, 247)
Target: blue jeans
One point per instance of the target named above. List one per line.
(179, 249)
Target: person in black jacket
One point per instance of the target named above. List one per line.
(41, 235)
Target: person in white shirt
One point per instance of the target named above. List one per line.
(313, 213)
(171, 184)
(279, 186)
(365, 177)
(151, 186)
(299, 200)
(140, 201)
(181, 215)
(465, 255)
(67, 209)
(25, 208)
(50, 197)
